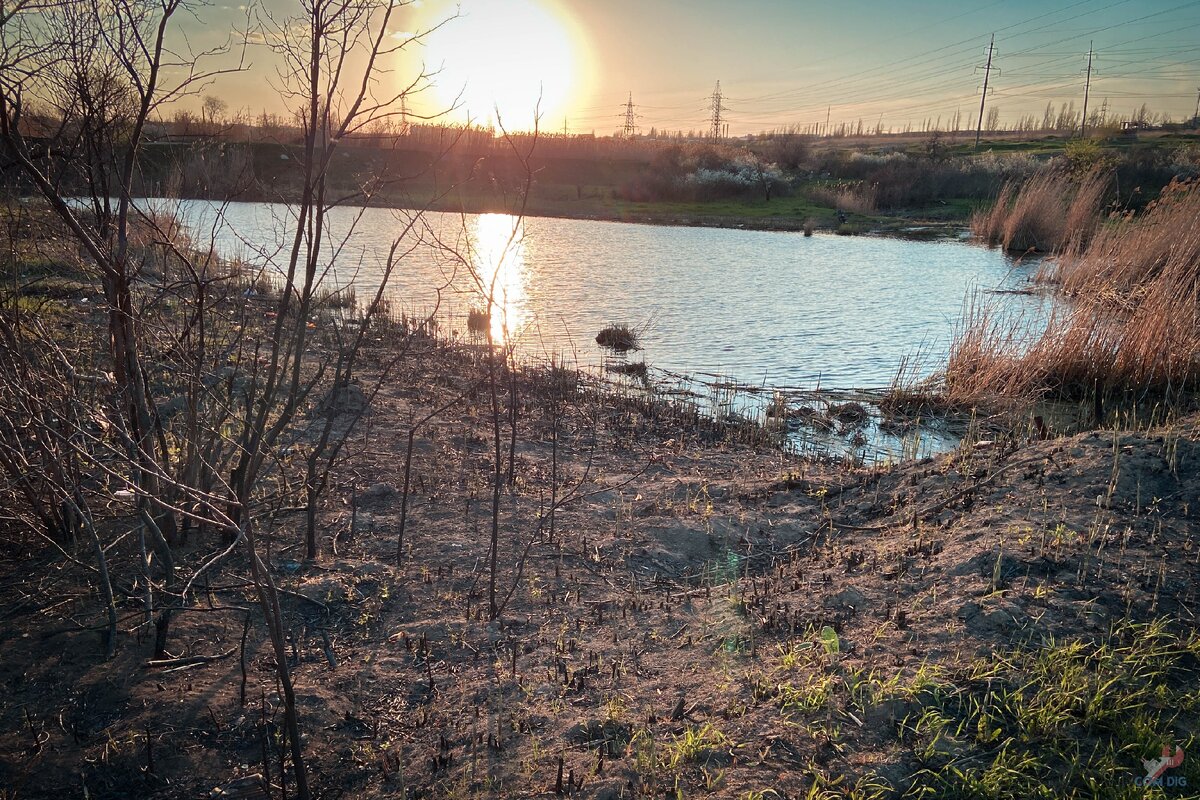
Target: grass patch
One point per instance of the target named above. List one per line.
(698, 753)
(58, 287)
(696, 745)
(1071, 719)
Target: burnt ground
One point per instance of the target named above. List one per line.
(669, 635)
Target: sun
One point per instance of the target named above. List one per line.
(519, 59)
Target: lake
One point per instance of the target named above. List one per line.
(762, 308)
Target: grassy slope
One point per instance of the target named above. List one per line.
(780, 213)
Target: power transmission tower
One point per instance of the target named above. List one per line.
(630, 119)
(1087, 87)
(987, 73)
(718, 127)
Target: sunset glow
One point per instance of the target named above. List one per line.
(514, 58)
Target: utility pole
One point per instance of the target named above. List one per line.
(718, 126)
(1087, 87)
(1196, 116)
(564, 127)
(630, 119)
(987, 73)
(827, 110)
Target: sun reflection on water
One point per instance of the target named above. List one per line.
(498, 260)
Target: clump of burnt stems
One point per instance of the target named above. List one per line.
(633, 369)
(1125, 332)
(343, 298)
(619, 338)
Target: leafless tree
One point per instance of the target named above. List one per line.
(213, 109)
(204, 406)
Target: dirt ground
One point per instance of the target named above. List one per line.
(685, 627)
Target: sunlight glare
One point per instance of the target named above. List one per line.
(498, 258)
(506, 55)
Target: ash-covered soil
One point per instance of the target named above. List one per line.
(703, 617)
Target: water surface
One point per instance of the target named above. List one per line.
(763, 308)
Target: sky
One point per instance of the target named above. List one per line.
(780, 63)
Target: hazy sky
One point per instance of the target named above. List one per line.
(781, 63)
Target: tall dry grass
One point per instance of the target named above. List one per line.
(1128, 324)
(989, 224)
(1132, 253)
(1050, 212)
(854, 198)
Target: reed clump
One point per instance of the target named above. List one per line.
(620, 338)
(342, 298)
(1050, 212)
(1127, 257)
(478, 320)
(854, 198)
(1128, 326)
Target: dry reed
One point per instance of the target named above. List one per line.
(857, 199)
(1128, 326)
(1050, 212)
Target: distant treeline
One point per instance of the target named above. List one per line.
(209, 156)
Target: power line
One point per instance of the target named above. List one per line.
(925, 75)
(1032, 51)
(869, 75)
(1087, 86)
(630, 119)
(944, 68)
(716, 130)
(987, 73)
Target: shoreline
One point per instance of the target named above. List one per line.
(666, 215)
